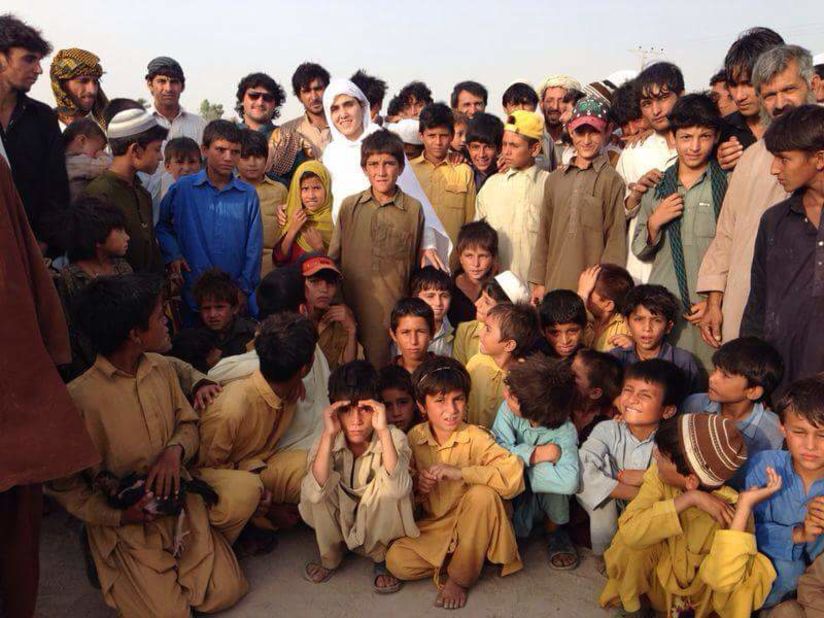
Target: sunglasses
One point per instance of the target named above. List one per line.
(269, 98)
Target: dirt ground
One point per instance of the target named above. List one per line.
(277, 588)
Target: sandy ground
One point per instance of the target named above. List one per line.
(277, 588)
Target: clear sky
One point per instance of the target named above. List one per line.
(439, 41)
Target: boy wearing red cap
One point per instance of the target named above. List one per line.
(582, 218)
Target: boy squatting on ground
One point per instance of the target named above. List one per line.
(533, 423)
(616, 454)
(357, 494)
(685, 543)
(141, 570)
(461, 479)
(218, 303)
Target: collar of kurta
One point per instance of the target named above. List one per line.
(399, 201)
(145, 365)
(180, 113)
(308, 121)
(531, 173)
(203, 179)
(795, 203)
(421, 159)
(597, 163)
(459, 436)
(265, 390)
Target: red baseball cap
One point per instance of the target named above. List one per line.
(316, 264)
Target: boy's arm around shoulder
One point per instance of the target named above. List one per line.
(562, 476)
(651, 516)
(492, 465)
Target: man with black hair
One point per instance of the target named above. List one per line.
(720, 94)
(625, 111)
(212, 219)
(450, 187)
(745, 126)
(144, 567)
(135, 139)
(29, 133)
(658, 88)
(787, 285)
(166, 82)
(259, 99)
(308, 83)
(375, 90)
(469, 98)
(414, 97)
(484, 136)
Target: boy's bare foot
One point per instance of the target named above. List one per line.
(451, 596)
(316, 573)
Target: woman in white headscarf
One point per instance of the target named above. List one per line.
(342, 157)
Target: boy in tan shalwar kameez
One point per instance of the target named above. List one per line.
(357, 494)
(240, 430)
(140, 421)
(463, 478)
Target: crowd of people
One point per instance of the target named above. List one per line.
(423, 331)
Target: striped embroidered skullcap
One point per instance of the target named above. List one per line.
(712, 446)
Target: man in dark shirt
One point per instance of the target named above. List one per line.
(743, 127)
(786, 299)
(29, 129)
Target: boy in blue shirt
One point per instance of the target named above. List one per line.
(789, 527)
(747, 371)
(212, 219)
(533, 423)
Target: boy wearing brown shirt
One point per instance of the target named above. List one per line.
(377, 242)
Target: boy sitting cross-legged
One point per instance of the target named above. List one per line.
(461, 479)
(685, 544)
(357, 494)
(533, 423)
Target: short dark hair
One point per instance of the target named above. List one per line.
(395, 106)
(804, 398)
(120, 145)
(694, 110)
(661, 372)
(660, 75)
(544, 388)
(259, 80)
(88, 222)
(440, 375)
(221, 129)
(520, 93)
(604, 371)
(383, 142)
(111, 306)
(193, 345)
(517, 322)
(253, 144)
(285, 344)
(436, 115)
(415, 90)
(477, 234)
(281, 290)
(412, 308)
(354, 381)
(485, 129)
(572, 96)
(217, 285)
(372, 87)
(801, 128)
(625, 104)
(429, 278)
(181, 147)
(819, 70)
(754, 359)
(16, 33)
(562, 307)
(656, 299)
(395, 376)
(718, 77)
(614, 283)
(85, 127)
(668, 440)
(471, 87)
(305, 74)
(744, 51)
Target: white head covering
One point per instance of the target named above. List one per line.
(408, 129)
(342, 157)
(818, 59)
(513, 287)
(622, 76)
(130, 122)
(559, 80)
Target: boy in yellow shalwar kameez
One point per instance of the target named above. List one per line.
(685, 544)
(140, 422)
(463, 478)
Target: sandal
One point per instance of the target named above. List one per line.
(559, 544)
(308, 576)
(380, 570)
